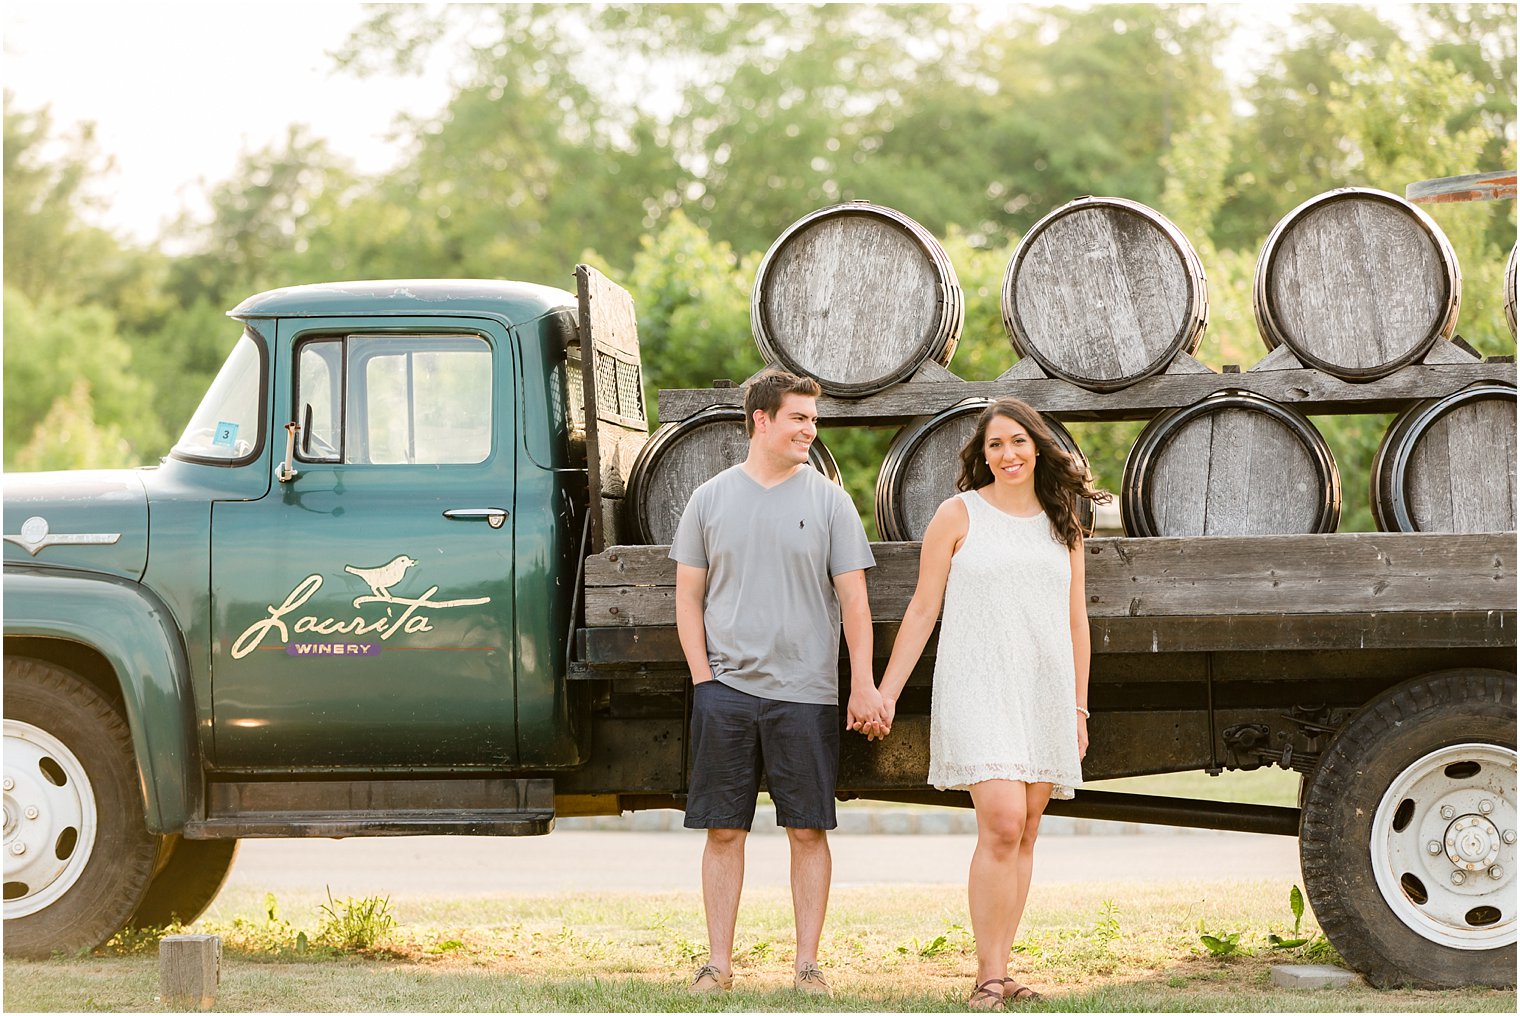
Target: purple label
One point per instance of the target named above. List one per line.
(332, 648)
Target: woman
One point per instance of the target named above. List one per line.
(1009, 715)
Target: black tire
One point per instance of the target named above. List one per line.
(1397, 740)
(187, 882)
(116, 868)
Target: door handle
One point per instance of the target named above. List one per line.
(494, 517)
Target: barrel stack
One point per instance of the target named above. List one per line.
(1356, 298)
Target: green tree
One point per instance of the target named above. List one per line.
(69, 437)
(49, 251)
(49, 349)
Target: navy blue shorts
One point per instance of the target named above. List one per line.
(736, 736)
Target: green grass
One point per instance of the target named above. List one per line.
(1259, 786)
(1118, 947)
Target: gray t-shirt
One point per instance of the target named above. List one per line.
(771, 614)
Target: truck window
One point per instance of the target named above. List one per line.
(226, 426)
(423, 399)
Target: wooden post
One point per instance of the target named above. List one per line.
(189, 969)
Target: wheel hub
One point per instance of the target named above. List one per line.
(1472, 842)
(50, 819)
(1443, 846)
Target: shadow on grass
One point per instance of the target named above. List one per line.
(350, 983)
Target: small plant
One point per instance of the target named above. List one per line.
(134, 941)
(1219, 944)
(687, 949)
(271, 934)
(1295, 904)
(761, 950)
(355, 923)
(1107, 928)
(953, 937)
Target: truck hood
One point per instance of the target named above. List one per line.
(89, 520)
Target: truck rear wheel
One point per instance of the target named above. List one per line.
(187, 882)
(78, 855)
(1407, 838)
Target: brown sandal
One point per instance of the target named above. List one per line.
(984, 999)
(1021, 994)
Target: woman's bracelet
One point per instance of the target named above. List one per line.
(1085, 714)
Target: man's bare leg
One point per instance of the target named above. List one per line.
(722, 882)
(812, 871)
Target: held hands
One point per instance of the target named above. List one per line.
(869, 713)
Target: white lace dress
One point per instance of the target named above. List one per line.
(1005, 699)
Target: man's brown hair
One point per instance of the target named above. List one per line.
(767, 392)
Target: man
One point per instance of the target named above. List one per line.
(770, 557)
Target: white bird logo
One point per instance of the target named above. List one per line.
(382, 578)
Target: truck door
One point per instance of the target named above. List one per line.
(363, 610)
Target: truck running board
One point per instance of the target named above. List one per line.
(338, 808)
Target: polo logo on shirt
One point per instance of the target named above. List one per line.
(801, 524)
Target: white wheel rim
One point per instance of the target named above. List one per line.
(50, 819)
(1443, 846)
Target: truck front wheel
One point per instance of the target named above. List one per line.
(78, 855)
(1407, 839)
(187, 881)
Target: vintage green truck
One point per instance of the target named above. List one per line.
(378, 588)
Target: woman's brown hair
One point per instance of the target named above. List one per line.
(1060, 479)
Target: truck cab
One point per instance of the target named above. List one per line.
(341, 604)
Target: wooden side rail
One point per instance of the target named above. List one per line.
(1465, 579)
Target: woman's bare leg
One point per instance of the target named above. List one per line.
(1036, 797)
(993, 889)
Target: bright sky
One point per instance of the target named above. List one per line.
(178, 90)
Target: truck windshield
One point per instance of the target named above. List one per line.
(226, 425)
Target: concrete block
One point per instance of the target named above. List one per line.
(855, 821)
(654, 820)
(934, 823)
(1311, 975)
(898, 822)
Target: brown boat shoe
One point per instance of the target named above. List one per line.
(709, 980)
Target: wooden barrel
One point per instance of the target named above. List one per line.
(1448, 465)
(1358, 283)
(857, 296)
(1509, 292)
(1103, 292)
(679, 457)
(924, 461)
(1232, 464)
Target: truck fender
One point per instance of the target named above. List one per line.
(138, 636)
